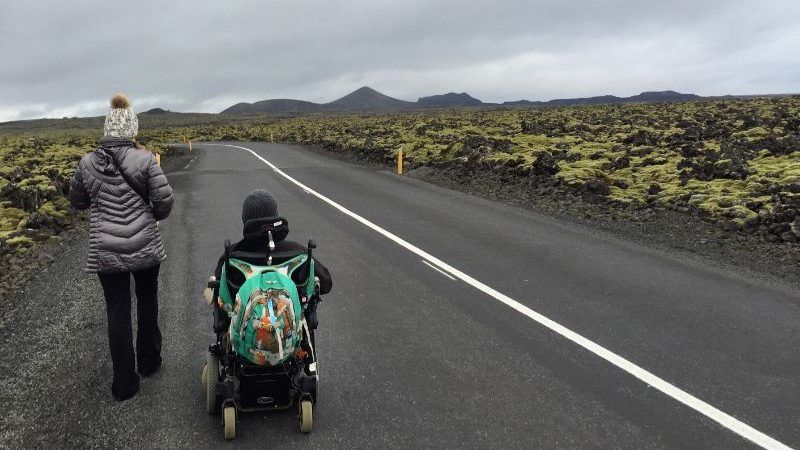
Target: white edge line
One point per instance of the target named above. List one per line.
(438, 270)
(726, 420)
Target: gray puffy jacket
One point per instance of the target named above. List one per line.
(123, 232)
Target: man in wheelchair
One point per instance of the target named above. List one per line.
(263, 357)
(260, 213)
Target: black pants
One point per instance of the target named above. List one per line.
(117, 290)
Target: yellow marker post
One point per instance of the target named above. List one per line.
(158, 159)
(271, 137)
(400, 161)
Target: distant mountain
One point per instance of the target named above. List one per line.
(521, 103)
(652, 96)
(662, 96)
(603, 99)
(449, 100)
(367, 99)
(156, 111)
(238, 108)
(363, 99)
(280, 105)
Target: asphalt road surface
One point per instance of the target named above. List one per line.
(431, 336)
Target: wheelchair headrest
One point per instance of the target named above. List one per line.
(256, 229)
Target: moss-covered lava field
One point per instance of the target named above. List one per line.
(735, 163)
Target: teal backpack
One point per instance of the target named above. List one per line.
(267, 313)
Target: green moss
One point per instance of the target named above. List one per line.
(56, 209)
(624, 195)
(579, 172)
(740, 215)
(10, 218)
(20, 241)
(753, 133)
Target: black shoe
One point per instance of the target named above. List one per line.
(127, 395)
(148, 371)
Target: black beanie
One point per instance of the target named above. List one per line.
(259, 204)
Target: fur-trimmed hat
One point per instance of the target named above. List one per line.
(121, 122)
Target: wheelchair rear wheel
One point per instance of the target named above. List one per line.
(210, 379)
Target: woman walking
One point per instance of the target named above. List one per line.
(128, 193)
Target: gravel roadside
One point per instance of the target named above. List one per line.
(53, 346)
(55, 371)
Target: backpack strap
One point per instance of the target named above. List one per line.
(126, 177)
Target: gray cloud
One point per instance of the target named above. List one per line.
(67, 58)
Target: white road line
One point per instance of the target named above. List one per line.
(438, 269)
(724, 419)
(189, 163)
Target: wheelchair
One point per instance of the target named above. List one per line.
(264, 357)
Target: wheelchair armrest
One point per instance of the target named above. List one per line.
(211, 292)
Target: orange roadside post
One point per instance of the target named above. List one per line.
(400, 161)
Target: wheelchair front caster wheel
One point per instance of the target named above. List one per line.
(306, 416)
(229, 421)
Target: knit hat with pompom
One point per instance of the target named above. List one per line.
(121, 122)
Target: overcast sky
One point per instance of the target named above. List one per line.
(66, 58)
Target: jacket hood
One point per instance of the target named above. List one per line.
(114, 142)
(102, 162)
(107, 146)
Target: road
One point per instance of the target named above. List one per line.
(412, 355)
